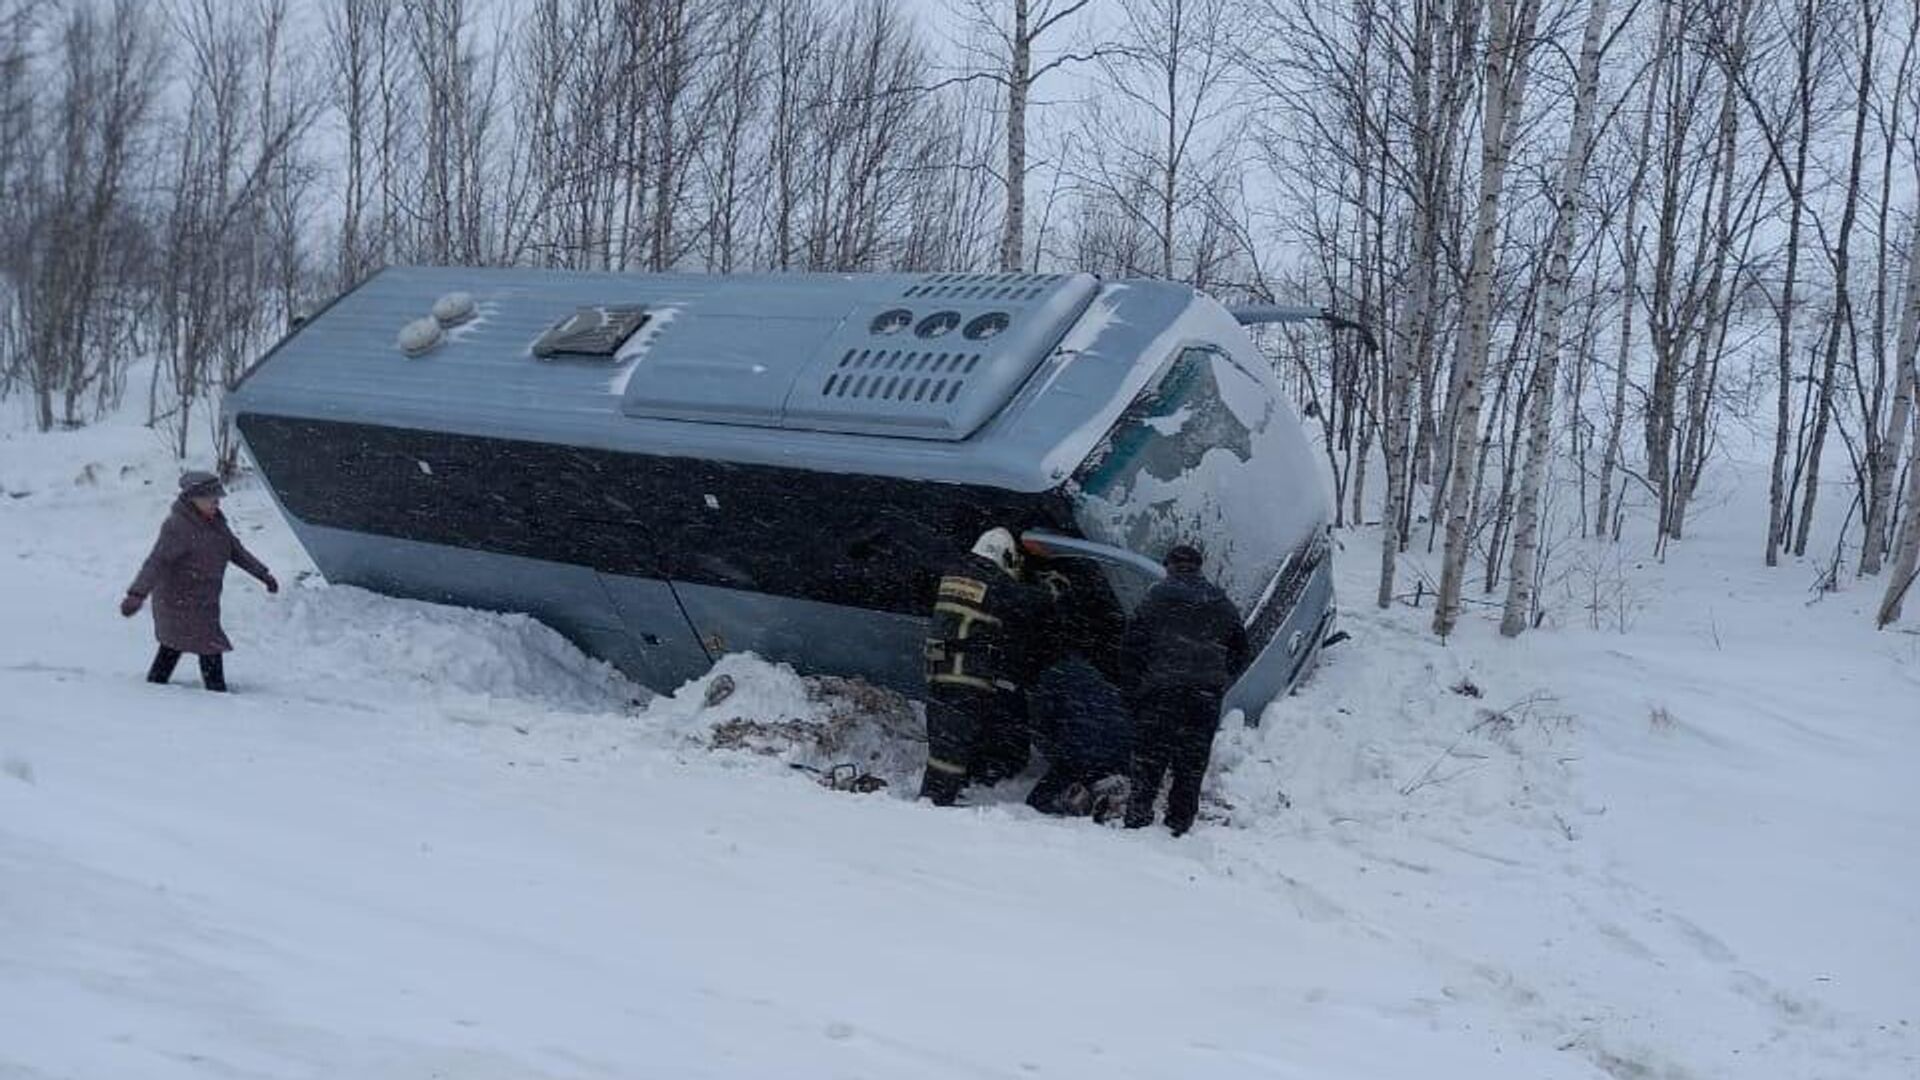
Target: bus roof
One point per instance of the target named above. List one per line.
(970, 378)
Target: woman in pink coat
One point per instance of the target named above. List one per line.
(184, 575)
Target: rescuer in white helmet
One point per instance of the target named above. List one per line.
(985, 642)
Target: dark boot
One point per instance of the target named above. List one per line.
(939, 785)
(1045, 796)
(1078, 800)
(162, 667)
(1109, 800)
(213, 673)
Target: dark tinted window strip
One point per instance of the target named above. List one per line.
(864, 541)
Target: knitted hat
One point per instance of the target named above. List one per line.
(1183, 557)
(199, 484)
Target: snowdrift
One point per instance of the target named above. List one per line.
(1669, 836)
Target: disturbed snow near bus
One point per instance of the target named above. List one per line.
(1670, 836)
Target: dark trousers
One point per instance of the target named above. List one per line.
(972, 735)
(1173, 733)
(213, 672)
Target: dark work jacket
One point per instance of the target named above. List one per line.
(184, 574)
(1080, 721)
(988, 630)
(1186, 635)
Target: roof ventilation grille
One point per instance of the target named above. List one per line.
(1006, 288)
(874, 364)
(591, 333)
(900, 376)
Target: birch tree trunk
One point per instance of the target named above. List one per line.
(1795, 177)
(1883, 458)
(1711, 334)
(1842, 292)
(1415, 324)
(1014, 72)
(1906, 558)
(1013, 237)
(1898, 417)
(1174, 13)
(1510, 39)
(349, 38)
(1630, 287)
(794, 28)
(1518, 612)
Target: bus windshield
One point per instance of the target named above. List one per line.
(1195, 459)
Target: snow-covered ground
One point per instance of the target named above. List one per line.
(422, 842)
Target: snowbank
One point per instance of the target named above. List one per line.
(423, 841)
(351, 637)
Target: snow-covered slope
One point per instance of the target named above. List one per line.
(426, 842)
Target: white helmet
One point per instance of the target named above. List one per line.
(998, 547)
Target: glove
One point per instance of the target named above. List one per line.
(273, 585)
(130, 605)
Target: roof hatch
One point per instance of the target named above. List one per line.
(591, 333)
(935, 360)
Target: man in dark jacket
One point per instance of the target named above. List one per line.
(983, 649)
(1082, 725)
(1185, 645)
(184, 574)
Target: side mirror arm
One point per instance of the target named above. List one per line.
(1252, 314)
(1049, 545)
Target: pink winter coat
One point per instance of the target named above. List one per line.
(184, 575)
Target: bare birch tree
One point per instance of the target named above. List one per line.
(1727, 212)
(1170, 64)
(1443, 39)
(1840, 254)
(1891, 393)
(19, 22)
(1790, 160)
(77, 203)
(1631, 257)
(1016, 30)
(238, 131)
(1899, 416)
(1518, 611)
(1510, 40)
(1906, 550)
(359, 37)
(725, 158)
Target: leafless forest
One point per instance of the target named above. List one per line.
(1607, 246)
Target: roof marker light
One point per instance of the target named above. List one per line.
(418, 337)
(454, 309)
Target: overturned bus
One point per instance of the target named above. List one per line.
(666, 468)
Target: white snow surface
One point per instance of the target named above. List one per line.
(423, 842)
(634, 351)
